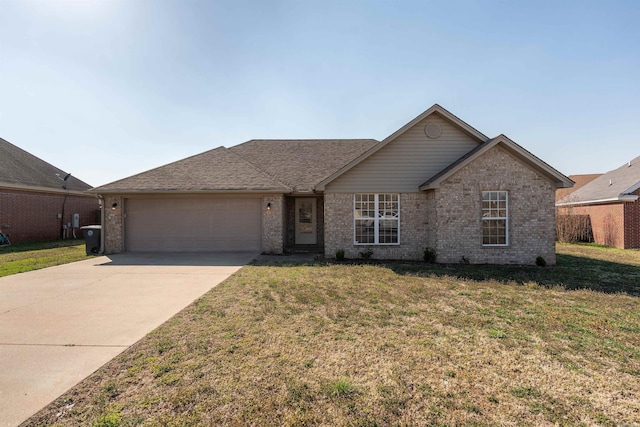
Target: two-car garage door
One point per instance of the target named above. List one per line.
(193, 224)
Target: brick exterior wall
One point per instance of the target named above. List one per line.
(632, 223)
(29, 216)
(531, 212)
(449, 218)
(615, 224)
(113, 227)
(273, 224)
(607, 222)
(415, 226)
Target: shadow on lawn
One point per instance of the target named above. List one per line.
(571, 272)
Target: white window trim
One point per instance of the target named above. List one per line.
(376, 221)
(506, 223)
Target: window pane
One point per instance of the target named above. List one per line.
(365, 232)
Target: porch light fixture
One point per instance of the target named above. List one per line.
(269, 206)
(114, 206)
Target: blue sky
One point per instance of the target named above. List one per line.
(108, 88)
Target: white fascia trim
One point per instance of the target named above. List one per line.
(621, 198)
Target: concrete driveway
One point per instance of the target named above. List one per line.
(60, 324)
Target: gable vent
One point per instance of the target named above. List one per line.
(433, 130)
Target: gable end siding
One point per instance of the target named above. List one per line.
(531, 212)
(407, 161)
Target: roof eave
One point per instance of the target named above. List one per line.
(125, 192)
(38, 189)
(622, 198)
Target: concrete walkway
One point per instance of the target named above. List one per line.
(60, 324)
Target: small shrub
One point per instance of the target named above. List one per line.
(540, 261)
(366, 254)
(464, 260)
(430, 255)
(340, 255)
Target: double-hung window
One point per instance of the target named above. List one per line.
(495, 218)
(377, 219)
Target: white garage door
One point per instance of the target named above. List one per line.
(191, 225)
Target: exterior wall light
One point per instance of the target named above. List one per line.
(269, 206)
(114, 206)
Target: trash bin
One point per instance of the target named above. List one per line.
(91, 235)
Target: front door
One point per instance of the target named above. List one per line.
(306, 224)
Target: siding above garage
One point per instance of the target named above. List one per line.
(407, 161)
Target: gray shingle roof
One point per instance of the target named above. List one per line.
(302, 163)
(215, 170)
(611, 185)
(20, 168)
(256, 165)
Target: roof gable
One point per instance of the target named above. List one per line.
(20, 169)
(560, 180)
(614, 186)
(435, 109)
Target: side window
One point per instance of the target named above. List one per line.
(495, 218)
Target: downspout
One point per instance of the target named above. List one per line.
(102, 206)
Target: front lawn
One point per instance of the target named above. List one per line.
(22, 257)
(387, 344)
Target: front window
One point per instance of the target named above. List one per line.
(495, 218)
(377, 219)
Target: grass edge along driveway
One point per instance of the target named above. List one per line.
(387, 344)
(23, 257)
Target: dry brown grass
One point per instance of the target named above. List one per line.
(372, 346)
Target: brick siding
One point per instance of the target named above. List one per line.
(414, 227)
(531, 212)
(273, 224)
(29, 216)
(607, 222)
(632, 224)
(614, 224)
(449, 218)
(113, 228)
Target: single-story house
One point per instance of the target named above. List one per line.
(611, 203)
(435, 183)
(40, 202)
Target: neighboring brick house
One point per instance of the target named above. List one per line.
(436, 182)
(35, 199)
(611, 203)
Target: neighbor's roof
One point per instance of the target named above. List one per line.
(580, 181)
(560, 180)
(282, 166)
(21, 170)
(614, 186)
